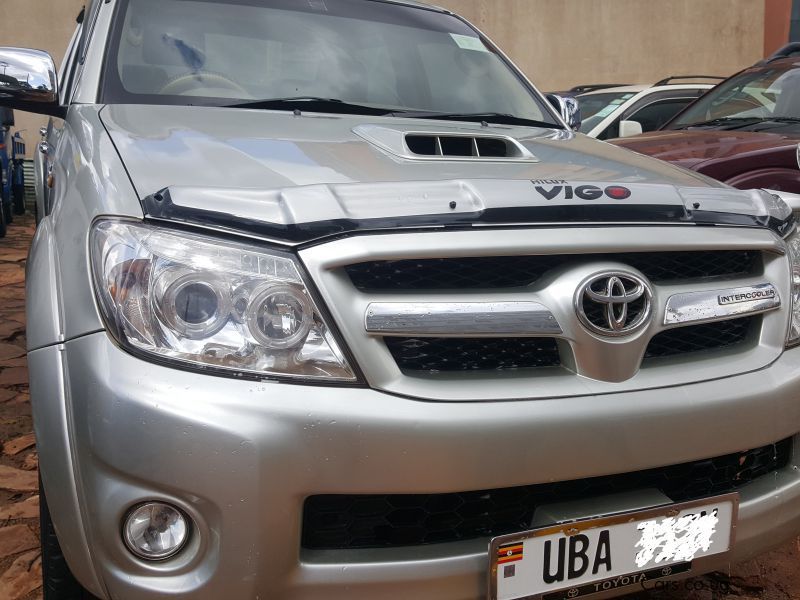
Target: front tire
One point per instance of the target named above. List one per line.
(18, 193)
(7, 212)
(2, 224)
(58, 583)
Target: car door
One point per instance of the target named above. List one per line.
(654, 115)
(654, 110)
(68, 77)
(43, 159)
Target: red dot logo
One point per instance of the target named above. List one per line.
(617, 192)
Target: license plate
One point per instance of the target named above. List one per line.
(579, 558)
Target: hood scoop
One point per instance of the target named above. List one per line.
(455, 145)
(464, 146)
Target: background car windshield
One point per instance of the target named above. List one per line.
(367, 53)
(596, 107)
(771, 92)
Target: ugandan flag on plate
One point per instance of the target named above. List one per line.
(508, 553)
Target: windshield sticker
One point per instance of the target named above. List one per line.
(551, 189)
(606, 111)
(467, 42)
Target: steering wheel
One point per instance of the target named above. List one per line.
(183, 83)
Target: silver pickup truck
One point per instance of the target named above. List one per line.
(327, 301)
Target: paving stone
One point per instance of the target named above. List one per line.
(22, 577)
(15, 539)
(21, 409)
(27, 509)
(12, 293)
(19, 444)
(17, 480)
(13, 255)
(11, 273)
(14, 376)
(14, 362)
(31, 462)
(12, 306)
(10, 328)
(19, 397)
(8, 351)
(16, 315)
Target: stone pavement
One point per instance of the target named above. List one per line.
(774, 576)
(20, 561)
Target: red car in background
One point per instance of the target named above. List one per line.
(744, 132)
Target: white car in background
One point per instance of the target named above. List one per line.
(633, 109)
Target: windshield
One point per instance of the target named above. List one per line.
(757, 94)
(596, 107)
(359, 52)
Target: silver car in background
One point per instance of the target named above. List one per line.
(326, 301)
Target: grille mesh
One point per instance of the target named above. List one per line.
(489, 272)
(504, 354)
(381, 521)
(696, 338)
(472, 354)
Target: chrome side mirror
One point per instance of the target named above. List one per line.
(568, 108)
(28, 81)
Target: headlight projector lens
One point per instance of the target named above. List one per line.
(279, 316)
(155, 531)
(194, 305)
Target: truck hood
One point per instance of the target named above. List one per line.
(297, 178)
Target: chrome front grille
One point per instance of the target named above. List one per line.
(438, 355)
(425, 317)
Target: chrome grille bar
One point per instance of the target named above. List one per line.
(717, 305)
(461, 318)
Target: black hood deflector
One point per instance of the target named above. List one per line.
(160, 207)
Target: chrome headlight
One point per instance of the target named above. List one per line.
(793, 248)
(211, 303)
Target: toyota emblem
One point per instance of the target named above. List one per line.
(614, 303)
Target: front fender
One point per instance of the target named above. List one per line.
(89, 181)
(41, 291)
(51, 422)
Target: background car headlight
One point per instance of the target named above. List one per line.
(793, 245)
(209, 302)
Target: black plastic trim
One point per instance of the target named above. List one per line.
(160, 206)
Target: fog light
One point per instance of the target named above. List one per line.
(155, 531)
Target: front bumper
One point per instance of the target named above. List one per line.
(240, 457)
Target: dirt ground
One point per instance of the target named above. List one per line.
(774, 576)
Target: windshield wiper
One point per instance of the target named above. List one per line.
(489, 117)
(736, 121)
(782, 119)
(335, 105)
(312, 104)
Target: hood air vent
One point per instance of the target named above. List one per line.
(464, 146)
(460, 143)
